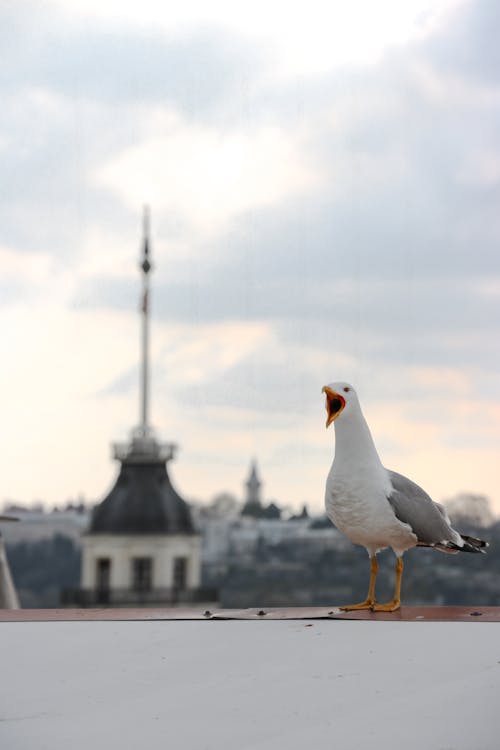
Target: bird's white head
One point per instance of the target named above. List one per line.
(340, 398)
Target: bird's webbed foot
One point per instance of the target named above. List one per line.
(387, 607)
(367, 604)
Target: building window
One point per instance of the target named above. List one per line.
(103, 579)
(142, 573)
(180, 573)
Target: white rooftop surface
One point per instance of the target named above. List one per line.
(236, 685)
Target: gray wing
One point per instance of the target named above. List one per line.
(412, 505)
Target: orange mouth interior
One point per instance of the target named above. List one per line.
(334, 404)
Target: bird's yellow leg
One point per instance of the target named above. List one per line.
(369, 602)
(396, 602)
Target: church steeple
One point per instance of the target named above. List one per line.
(253, 485)
(253, 505)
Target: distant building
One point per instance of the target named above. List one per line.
(302, 516)
(141, 546)
(38, 524)
(232, 540)
(253, 507)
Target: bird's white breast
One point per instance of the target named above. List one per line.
(356, 502)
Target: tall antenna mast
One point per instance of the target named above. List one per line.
(144, 447)
(146, 268)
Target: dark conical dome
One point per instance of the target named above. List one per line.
(142, 501)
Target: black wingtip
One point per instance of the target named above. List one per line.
(471, 544)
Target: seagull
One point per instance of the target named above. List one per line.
(377, 508)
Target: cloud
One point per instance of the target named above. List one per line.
(80, 58)
(338, 219)
(77, 95)
(207, 175)
(470, 45)
(312, 38)
(385, 258)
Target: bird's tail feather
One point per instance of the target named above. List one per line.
(470, 544)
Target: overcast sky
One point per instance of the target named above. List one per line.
(324, 181)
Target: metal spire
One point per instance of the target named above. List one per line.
(144, 446)
(146, 267)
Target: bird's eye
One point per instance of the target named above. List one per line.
(346, 390)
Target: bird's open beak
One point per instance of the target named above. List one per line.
(334, 404)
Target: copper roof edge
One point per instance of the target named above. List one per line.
(405, 614)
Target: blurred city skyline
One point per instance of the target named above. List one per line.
(324, 185)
